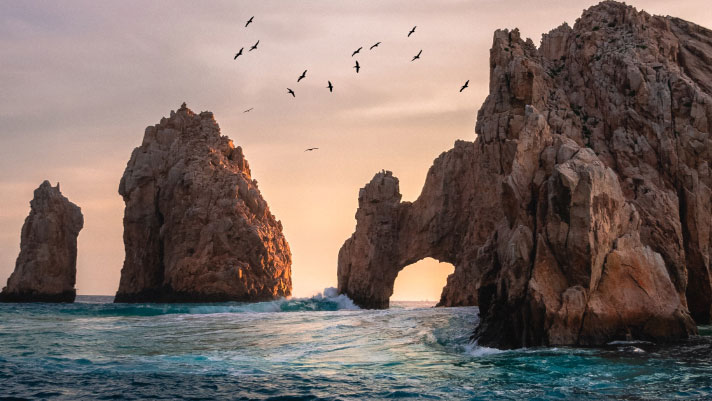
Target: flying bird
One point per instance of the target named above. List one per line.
(304, 75)
(291, 92)
(254, 47)
(417, 56)
(310, 149)
(331, 87)
(249, 21)
(376, 45)
(357, 66)
(238, 53)
(356, 51)
(465, 85)
(412, 30)
(248, 110)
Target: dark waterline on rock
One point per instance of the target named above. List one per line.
(315, 348)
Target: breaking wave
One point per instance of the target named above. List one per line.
(328, 300)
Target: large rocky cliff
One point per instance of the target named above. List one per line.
(46, 268)
(581, 214)
(196, 228)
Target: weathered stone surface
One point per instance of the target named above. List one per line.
(372, 253)
(46, 269)
(584, 213)
(384, 241)
(196, 228)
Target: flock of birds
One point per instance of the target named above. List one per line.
(330, 86)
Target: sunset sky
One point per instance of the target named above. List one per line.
(80, 81)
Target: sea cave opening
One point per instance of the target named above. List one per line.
(421, 281)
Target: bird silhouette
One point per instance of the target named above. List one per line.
(304, 75)
(465, 85)
(376, 45)
(357, 66)
(238, 54)
(356, 51)
(310, 149)
(417, 56)
(412, 30)
(331, 87)
(291, 92)
(254, 47)
(249, 21)
(248, 110)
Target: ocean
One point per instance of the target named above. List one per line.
(319, 348)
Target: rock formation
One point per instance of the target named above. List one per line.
(582, 211)
(46, 269)
(196, 228)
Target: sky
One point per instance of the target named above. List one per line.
(80, 81)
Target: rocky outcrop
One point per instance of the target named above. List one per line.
(583, 214)
(46, 269)
(196, 228)
(391, 234)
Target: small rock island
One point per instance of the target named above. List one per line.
(46, 268)
(196, 228)
(582, 212)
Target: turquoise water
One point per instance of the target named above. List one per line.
(316, 348)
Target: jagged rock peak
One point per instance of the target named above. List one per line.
(382, 188)
(196, 227)
(376, 234)
(46, 268)
(582, 212)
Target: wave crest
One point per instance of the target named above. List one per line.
(328, 300)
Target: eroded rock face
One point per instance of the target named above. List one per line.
(391, 234)
(46, 268)
(583, 216)
(196, 228)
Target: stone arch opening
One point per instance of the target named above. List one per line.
(391, 235)
(423, 280)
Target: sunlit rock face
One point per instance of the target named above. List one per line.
(46, 268)
(581, 214)
(391, 235)
(196, 228)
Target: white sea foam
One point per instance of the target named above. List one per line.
(331, 294)
(428, 336)
(328, 300)
(630, 342)
(478, 350)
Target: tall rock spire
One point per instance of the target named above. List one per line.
(46, 268)
(196, 228)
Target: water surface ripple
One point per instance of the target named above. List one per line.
(317, 348)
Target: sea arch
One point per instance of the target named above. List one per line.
(391, 234)
(423, 280)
